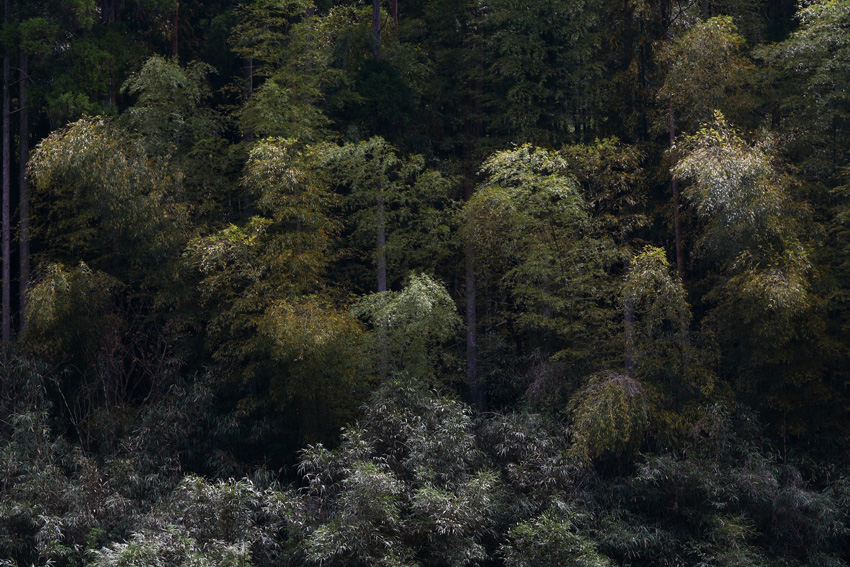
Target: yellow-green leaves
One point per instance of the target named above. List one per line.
(609, 416)
(413, 323)
(705, 70)
(750, 220)
(102, 194)
(529, 230)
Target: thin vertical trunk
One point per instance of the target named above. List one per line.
(677, 223)
(24, 190)
(381, 239)
(376, 28)
(629, 323)
(475, 388)
(394, 10)
(248, 88)
(473, 131)
(175, 32)
(381, 261)
(7, 201)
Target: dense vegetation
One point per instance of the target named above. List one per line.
(425, 282)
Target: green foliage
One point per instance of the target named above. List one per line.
(167, 113)
(549, 540)
(180, 533)
(659, 339)
(529, 228)
(612, 184)
(540, 57)
(410, 326)
(102, 197)
(386, 193)
(609, 416)
(705, 73)
(752, 228)
(724, 502)
(199, 302)
(407, 483)
(812, 66)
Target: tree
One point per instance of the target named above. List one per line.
(394, 207)
(541, 63)
(754, 230)
(811, 65)
(105, 200)
(691, 88)
(545, 268)
(411, 325)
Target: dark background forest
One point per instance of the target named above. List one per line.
(514, 283)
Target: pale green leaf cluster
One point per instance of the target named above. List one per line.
(409, 326)
(705, 71)
(528, 225)
(609, 416)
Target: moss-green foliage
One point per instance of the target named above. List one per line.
(105, 201)
(723, 502)
(705, 72)
(609, 417)
(409, 328)
(550, 540)
(200, 303)
(811, 66)
(529, 229)
(752, 229)
(383, 189)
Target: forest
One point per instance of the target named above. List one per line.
(425, 283)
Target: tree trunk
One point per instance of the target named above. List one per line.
(381, 261)
(473, 131)
(381, 238)
(629, 323)
(376, 28)
(394, 10)
(677, 223)
(7, 201)
(24, 206)
(175, 32)
(248, 88)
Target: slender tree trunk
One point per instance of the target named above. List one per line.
(381, 261)
(175, 32)
(7, 201)
(376, 28)
(475, 388)
(394, 10)
(381, 241)
(629, 323)
(677, 223)
(474, 130)
(248, 88)
(24, 190)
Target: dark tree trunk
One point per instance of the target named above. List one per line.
(677, 223)
(629, 321)
(175, 32)
(7, 186)
(381, 242)
(24, 206)
(473, 131)
(376, 28)
(394, 10)
(248, 88)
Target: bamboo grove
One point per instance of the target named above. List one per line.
(425, 283)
